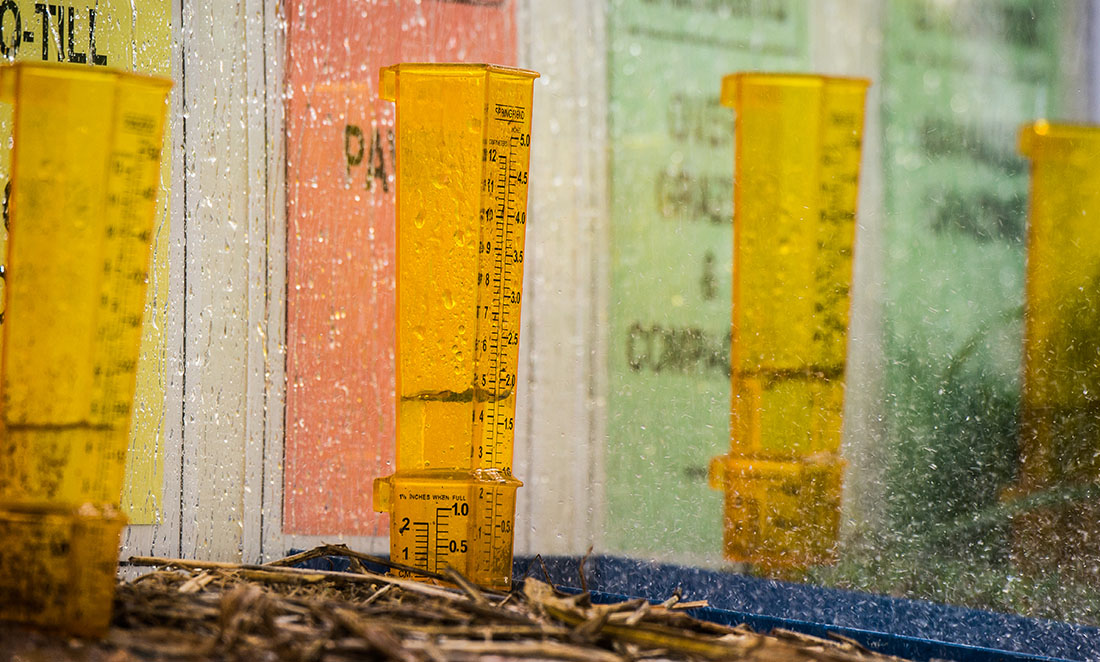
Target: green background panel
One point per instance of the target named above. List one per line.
(959, 79)
(671, 247)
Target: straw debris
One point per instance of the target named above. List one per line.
(199, 611)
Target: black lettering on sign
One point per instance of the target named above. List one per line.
(709, 282)
(60, 26)
(983, 215)
(354, 156)
(989, 143)
(10, 45)
(764, 10)
(1021, 26)
(374, 156)
(476, 3)
(702, 120)
(683, 350)
(684, 194)
(40, 8)
(97, 59)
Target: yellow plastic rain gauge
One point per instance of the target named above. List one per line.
(1060, 427)
(797, 155)
(463, 137)
(85, 177)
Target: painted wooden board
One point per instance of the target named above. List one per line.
(560, 403)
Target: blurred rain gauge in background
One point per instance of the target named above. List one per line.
(463, 148)
(85, 177)
(1058, 526)
(797, 155)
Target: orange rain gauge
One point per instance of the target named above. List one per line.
(463, 136)
(85, 178)
(797, 154)
(1058, 525)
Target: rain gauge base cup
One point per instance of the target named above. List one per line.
(463, 136)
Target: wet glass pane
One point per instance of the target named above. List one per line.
(808, 290)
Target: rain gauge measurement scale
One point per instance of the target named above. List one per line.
(463, 146)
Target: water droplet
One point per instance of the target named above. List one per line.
(448, 300)
(418, 220)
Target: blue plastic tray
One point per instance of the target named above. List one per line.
(913, 629)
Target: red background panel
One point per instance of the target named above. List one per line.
(340, 239)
